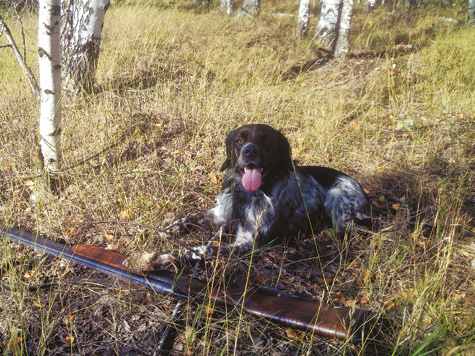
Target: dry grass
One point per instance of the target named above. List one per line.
(146, 148)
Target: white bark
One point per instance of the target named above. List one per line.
(370, 5)
(327, 26)
(471, 10)
(49, 60)
(343, 42)
(81, 41)
(227, 6)
(250, 7)
(304, 14)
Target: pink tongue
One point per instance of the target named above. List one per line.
(252, 179)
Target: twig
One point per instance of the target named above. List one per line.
(166, 332)
(29, 74)
(22, 31)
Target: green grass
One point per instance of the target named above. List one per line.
(147, 145)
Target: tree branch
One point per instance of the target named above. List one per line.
(21, 60)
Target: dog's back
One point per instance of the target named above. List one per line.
(345, 200)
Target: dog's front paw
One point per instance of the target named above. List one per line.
(198, 253)
(178, 227)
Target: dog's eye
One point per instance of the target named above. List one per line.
(239, 141)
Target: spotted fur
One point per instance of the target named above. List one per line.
(291, 199)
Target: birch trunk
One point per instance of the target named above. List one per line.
(250, 7)
(327, 25)
(343, 41)
(49, 60)
(227, 6)
(370, 5)
(304, 14)
(81, 41)
(471, 10)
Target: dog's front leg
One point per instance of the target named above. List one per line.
(211, 219)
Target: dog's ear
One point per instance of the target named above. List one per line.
(226, 164)
(230, 152)
(285, 152)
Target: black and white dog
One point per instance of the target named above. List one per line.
(266, 196)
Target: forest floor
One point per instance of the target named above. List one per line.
(146, 147)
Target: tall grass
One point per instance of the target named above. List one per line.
(147, 145)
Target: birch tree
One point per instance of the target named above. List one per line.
(343, 40)
(81, 39)
(304, 14)
(370, 4)
(327, 25)
(471, 10)
(49, 60)
(250, 7)
(227, 6)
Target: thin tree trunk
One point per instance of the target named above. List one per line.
(81, 41)
(304, 14)
(343, 42)
(49, 60)
(370, 4)
(250, 7)
(227, 6)
(471, 10)
(21, 60)
(327, 25)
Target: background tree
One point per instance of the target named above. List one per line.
(81, 39)
(370, 4)
(333, 31)
(49, 60)
(304, 14)
(250, 7)
(327, 25)
(227, 6)
(471, 10)
(342, 45)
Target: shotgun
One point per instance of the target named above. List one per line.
(343, 323)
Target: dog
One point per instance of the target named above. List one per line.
(266, 196)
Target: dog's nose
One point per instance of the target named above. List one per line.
(250, 151)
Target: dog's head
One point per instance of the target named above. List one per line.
(256, 152)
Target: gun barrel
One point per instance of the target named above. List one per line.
(321, 319)
(65, 252)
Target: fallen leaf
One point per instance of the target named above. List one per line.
(364, 300)
(124, 214)
(389, 304)
(113, 246)
(338, 297)
(350, 303)
(14, 341)
(294, 334)
(367, 276)
(109, 236)
(68, 340)
(214, 179)
(353, 264)
(403, 294)
(209, 310)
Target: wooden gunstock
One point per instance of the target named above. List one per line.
(322, 319)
